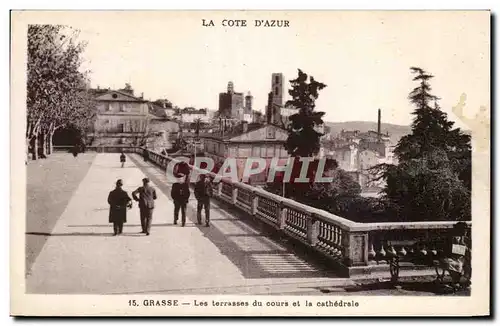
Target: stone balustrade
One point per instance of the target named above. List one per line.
(352, 247)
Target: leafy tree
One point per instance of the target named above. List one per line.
(165, 103)
(56, 88)
(303, 139)
(432, 180)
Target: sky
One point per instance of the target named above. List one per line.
(362, 57)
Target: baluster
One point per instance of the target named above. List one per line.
(391, 252)
(381, 252)
(371, 252)
(282, 210)
(402, 252)
(433, 251)
(255, 202)
(423, 251)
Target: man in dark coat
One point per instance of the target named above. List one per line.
(180, 195)
(123, 159)
(146, 199)
(145, 154)
(118, 200)
(75, 150)
(203, 191)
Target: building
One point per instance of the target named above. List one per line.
(356, 152)
(278, 88)
(244, 141)
(275, 100)
(191, 115)
(286, 112)
(231, 103)
(121, 118)
(162, 130)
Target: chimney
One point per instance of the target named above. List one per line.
(142, 95)
(379, 124)
(245, 126)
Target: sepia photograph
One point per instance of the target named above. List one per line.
(250, 163)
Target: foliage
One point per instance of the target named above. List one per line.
(331, 196)
(433, 178)
(57, 93)
(303, 139)
(164, 103)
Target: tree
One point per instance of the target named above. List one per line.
(432, 180)
(142, 132)
(56, 88)
(164, 103)
(303, 139)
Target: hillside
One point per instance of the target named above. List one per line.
(395, 131)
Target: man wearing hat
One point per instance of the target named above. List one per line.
(118, 200)
(180, 195)
(203, 191)
(147, 196)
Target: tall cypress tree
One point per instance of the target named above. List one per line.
(303, 139)
(432, 180)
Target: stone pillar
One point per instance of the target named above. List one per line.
(234, 192)
(255, 203)
(355, 246)
(219, 189)
(282, 216)
(312, 230)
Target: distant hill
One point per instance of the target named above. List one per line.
(395, 131)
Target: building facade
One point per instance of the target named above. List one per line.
(248, 140)
(231, 103)
(191, 115)
(121, 118)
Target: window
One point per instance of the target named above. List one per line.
(270, 133)
(107, 107)
(122, 107)
(270, 151)
(256, 151)
(276, 79)
(120, 127)
(276, 90)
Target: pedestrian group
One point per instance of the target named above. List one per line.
(120, 201)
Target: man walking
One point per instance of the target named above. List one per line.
(147, 196)
(203, 191)
(180, 195)
(123, 159)
(118, 201)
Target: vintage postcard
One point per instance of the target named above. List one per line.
(250, 163)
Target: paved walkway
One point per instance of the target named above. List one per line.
(236, 255)
(231, 256)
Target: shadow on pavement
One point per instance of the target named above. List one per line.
(126, 225)
(74, 234)
(255, 248)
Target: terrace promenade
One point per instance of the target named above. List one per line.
(71, 250)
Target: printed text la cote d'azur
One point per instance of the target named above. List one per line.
(246, 23)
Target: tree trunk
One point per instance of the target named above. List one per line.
(50, 145)
(34, 147)
(43, 145)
